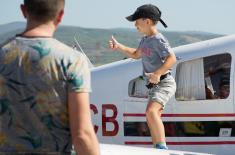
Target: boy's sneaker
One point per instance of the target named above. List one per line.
(159, 146)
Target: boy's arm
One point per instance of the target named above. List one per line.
(83, 135)
(130, 52)
(169, 62)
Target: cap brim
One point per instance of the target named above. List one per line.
(130, 18)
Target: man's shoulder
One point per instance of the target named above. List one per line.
(56, 47)
(59, 47)
(54, 43)
(67, 50)
(8, 41)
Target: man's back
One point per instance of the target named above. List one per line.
(36, 75)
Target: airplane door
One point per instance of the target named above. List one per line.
(203, 109)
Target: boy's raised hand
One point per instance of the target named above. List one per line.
(113, 43)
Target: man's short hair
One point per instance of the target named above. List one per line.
(44, 10)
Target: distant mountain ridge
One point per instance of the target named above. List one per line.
(11, 26)
(94, 41)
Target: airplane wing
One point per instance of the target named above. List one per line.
(109, 149)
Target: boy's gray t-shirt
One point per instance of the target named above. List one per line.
(154, 50)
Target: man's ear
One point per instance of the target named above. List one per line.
(59, 17)
(23, 10)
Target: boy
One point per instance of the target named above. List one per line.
(44, 87)
(157, 59)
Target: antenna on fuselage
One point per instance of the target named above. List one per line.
(81, 50)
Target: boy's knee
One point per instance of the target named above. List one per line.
(153, 111)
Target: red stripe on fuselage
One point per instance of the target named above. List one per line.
(181, 115)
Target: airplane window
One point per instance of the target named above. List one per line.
(137, 88)
(204, 78)
(205, 129)
(217, 69)
(141, 129)
(184, 129)
(136, 129)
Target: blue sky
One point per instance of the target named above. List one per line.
(215, 16)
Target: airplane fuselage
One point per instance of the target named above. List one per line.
(199, 117)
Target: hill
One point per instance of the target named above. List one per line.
(94, 41)
(11, 26)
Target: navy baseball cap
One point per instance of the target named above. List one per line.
(147, 11)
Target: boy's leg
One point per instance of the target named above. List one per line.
(155, 124)
(158, 97)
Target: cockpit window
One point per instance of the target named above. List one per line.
(204, 78)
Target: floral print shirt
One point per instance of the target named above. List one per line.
(36, 75)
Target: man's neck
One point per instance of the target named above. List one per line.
(39, 30)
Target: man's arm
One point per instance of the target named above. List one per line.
(130, 52)
(83, 135)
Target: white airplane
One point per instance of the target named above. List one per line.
(201, 115)
(109, 149)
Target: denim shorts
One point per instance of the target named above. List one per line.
(163, 91)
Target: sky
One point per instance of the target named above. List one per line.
(214, 16)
